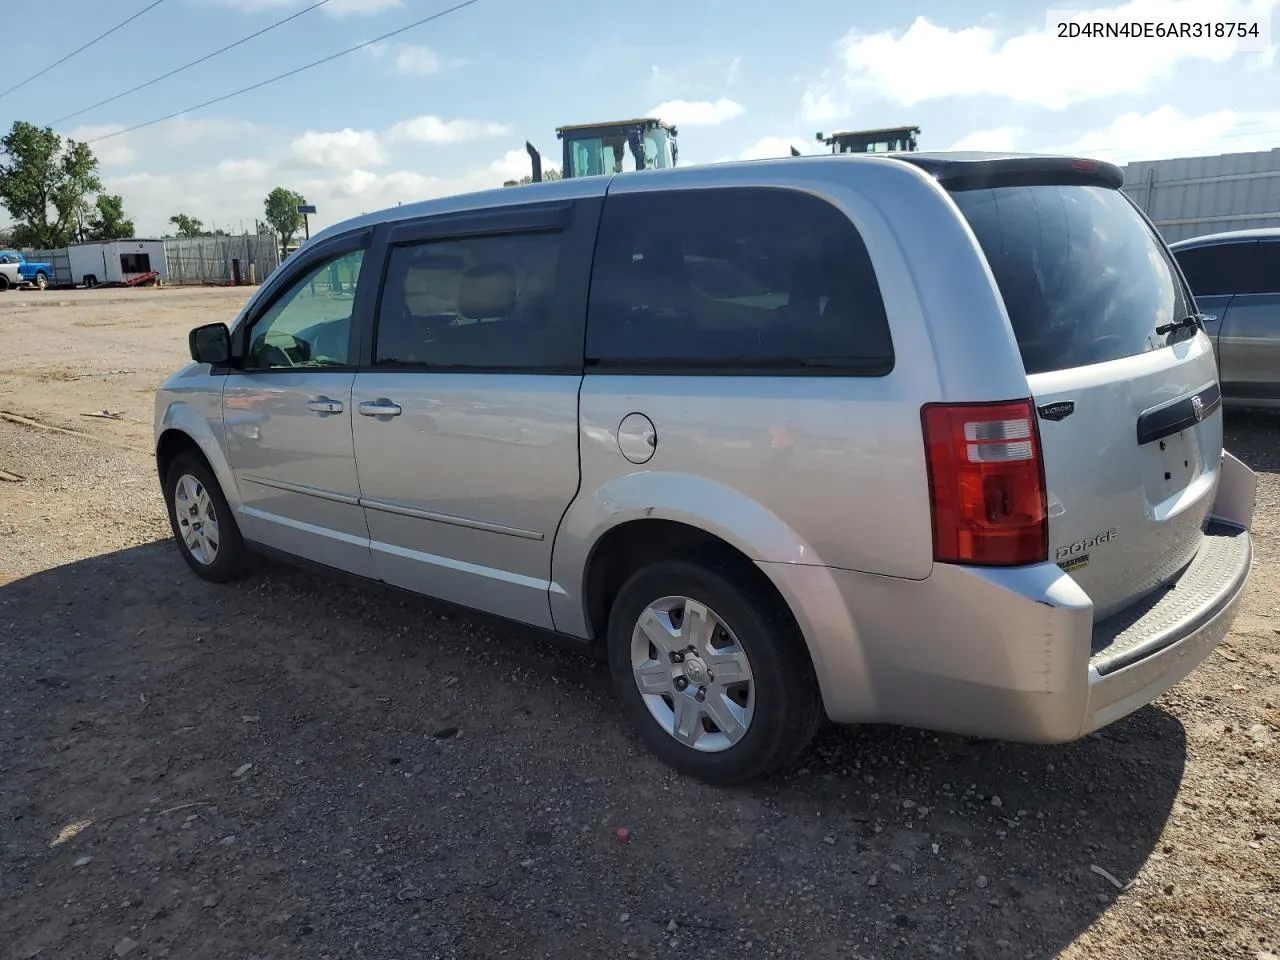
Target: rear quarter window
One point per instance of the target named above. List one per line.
(736, 280)
(1083, 277)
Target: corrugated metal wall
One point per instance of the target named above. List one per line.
(1192, 196)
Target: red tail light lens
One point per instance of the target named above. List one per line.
(986, 483)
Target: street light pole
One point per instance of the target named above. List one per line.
(306, 209)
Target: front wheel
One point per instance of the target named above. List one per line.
(714, 675)
(202, 522)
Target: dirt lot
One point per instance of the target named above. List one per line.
(295, 767)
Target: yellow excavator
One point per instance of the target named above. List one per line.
(614, 146)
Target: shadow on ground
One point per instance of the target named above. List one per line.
(294, 767)
(1254, 437)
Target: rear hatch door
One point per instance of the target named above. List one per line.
(1121, 373)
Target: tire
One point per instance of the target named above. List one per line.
(90, 281)
(4, 282)
(230, 558)
(42, 280)
(777, 713)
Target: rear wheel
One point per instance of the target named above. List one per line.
(202, 521)
(4, 283)
(90, 281)
(42, 281)
(715, 676)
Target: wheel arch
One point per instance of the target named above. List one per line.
(172, 444)
(183, 427)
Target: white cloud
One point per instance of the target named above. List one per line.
(334, 8)
(820, 104)
(767, 147)
(515, 164)
(735, 66)
(408, 59)
(346, 8)
(420, 60)
(1160, 133)
(250, 168)
(118, 151)
(342, 150)
(231, 192)
(430, 129)
(932, 62)
(1167, 132)
(995, 139)
(698, 113)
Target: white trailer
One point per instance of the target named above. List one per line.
(117, 261)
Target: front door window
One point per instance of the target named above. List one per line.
(310, 325)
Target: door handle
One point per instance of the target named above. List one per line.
(382, 407)
(1210, 318)
(324, 405)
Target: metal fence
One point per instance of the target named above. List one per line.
(212, 260)
(1192, 196)
(58, 259)
(198, 260)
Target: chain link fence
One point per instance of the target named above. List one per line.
(193, 261)
(214, 260)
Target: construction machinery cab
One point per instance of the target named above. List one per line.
(595, 149)
(886, 140)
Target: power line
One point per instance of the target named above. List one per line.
(262, 83)
(101, 36)
(193, 63)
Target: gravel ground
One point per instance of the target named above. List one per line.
(297, 767)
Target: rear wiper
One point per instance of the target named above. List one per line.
(1193, 321)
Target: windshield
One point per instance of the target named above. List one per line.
(658, 153)
(594, 156)
(1084, 278)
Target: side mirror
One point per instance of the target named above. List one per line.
(210, 344)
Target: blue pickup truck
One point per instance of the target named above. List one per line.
(35, 274)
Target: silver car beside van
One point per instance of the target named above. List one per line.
(1235, 277)
(929, 439)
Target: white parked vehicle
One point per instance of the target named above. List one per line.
(116, 261)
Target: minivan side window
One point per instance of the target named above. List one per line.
(740, 280)
(1215, 270)
(476, 303)
(310, 324)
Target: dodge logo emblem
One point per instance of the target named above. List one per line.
(1197, 408)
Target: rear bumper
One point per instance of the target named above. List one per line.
(1174, 645)
(1014, 654)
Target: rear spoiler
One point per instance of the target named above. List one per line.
(962, 171)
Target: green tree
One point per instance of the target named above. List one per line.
(187, 226)
(110, 223)
(551, 173)
(45, 184)
(282, 213)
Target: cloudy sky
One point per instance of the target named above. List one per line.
(447, 106)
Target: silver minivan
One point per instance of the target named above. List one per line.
(922, 439)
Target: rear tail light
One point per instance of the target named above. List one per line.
(986, 483)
